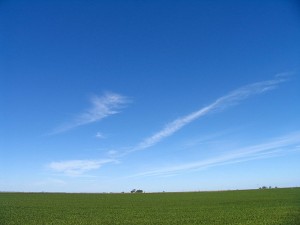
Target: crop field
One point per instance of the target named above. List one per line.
(271, 206)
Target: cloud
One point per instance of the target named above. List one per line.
(112, 152)
(221, 103)
(77, 167)
(99, 135)
(110, 103)
(276, 147)
(101, 107)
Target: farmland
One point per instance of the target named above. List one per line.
(271, 206)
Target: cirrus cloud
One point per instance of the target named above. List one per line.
(77, 167)
(101, 107)
(220, 104)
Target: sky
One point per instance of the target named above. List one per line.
(110, 96)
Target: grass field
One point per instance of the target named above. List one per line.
(271, 206)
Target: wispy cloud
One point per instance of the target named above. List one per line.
(110, 103)
(101, 107)
(99, 135)
(78, 167)
(275, 147)
(221, 103)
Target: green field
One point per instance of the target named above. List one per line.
(271, 206)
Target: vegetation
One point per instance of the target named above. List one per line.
(270, 206)
(137, 191)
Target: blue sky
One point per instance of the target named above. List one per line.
(100, 96)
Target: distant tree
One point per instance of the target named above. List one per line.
(139, 191)
(133, 191)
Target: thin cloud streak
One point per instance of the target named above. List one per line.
(101, 107)
(78, 167)
(99, 135)
(226, 101)
(107, 105)
(279, 146)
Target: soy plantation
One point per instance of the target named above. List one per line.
(270, 206)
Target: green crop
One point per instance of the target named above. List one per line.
(259, 207)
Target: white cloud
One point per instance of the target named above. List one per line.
(110, 103)
(112, 152)
(99, 135)
(101, 107)
(77, 167)
(230, 99)
(278, 146)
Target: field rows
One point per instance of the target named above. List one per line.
(274, 206)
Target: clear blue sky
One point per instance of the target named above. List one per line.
(100, 96)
